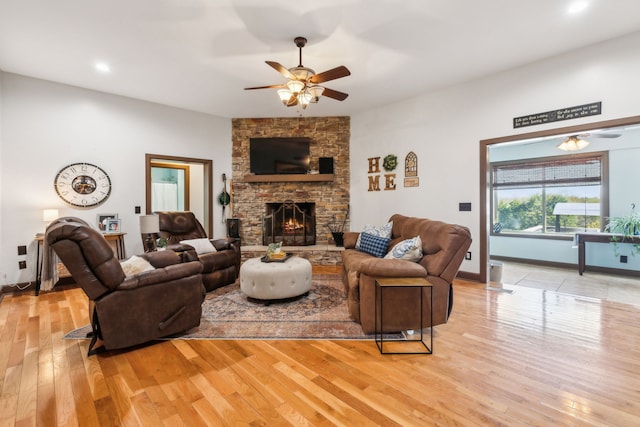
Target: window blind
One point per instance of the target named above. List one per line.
(550, 173)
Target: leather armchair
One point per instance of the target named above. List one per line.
(219, 268)
(127, 311)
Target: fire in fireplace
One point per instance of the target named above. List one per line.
(293, 224)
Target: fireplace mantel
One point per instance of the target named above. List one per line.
(317, 177)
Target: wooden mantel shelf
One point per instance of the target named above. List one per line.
(317, 177)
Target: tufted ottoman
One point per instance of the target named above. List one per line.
(275, 280)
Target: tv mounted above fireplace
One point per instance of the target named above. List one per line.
(274, 156)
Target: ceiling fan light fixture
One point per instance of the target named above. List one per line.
(315, 92)
(295, 86)
(285, 96)
(305, 98)
(573, 143)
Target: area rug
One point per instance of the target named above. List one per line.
(229, 314)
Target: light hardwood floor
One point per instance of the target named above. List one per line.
(530, 357)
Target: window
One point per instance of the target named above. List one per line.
(549, 196)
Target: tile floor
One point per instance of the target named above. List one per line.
(615, 288)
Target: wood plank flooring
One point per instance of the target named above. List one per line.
(531, 357)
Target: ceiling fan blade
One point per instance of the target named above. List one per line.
(281, 69)
(293, 101)
(600, 135)
(340, 96)
(332, 74)
(265, 87)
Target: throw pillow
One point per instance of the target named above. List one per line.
(374, 245)
(135, 265)
(410, 250)
(202, 246)
(381, 231)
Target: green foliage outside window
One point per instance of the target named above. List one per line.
(526, 214)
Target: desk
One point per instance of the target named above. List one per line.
(117, 238)
(388, 284)
(582, 238)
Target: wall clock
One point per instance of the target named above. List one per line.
(83, 185)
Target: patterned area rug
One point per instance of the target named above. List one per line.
(228, 314)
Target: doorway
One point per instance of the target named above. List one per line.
(527, 138)
(181, 184)
(170, 190)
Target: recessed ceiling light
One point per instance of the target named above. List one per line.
(103, 67)
(577, 7)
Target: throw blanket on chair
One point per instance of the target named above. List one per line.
(49, 274)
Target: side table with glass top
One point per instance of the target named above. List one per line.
(411, 343)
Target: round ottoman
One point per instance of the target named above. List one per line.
(275, 280)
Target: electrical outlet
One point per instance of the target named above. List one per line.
(623, 259)
(22, 250)
(22, 264)
(468, 256)
(137, 209)
(464, 207)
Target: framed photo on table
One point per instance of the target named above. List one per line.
(112, 226)
(102, 221)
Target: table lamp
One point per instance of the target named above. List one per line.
(149, 227)
(49, 215)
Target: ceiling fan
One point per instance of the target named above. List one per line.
(577, 142)
(303, 86)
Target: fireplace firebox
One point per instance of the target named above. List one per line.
(293, 224)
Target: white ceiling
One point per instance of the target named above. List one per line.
(200, 54)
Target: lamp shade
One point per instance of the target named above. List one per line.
(149, 224)
(49, 215)
(573, 143)
(295, 86)
(315, 92)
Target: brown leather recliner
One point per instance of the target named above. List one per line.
(127, 311)
(444, 246)
(218, 268)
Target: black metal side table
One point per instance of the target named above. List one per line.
(388, 284)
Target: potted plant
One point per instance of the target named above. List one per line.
(627, 227)
(162, 243)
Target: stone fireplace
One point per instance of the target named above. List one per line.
(293, 224)
(252, 194)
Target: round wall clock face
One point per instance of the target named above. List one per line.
(83, 185)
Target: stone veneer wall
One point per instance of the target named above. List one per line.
(329, 138)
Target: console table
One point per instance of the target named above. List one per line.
(582, 238)
(117, 238)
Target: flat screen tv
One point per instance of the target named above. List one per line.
(273, 156)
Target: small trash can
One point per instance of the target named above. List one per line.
(495, 271)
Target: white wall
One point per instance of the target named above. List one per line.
(46, 126)
(444, 129)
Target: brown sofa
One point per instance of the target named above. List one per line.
(128, 310)
(444, 247)
(219, 268)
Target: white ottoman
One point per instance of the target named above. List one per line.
(275, 280)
